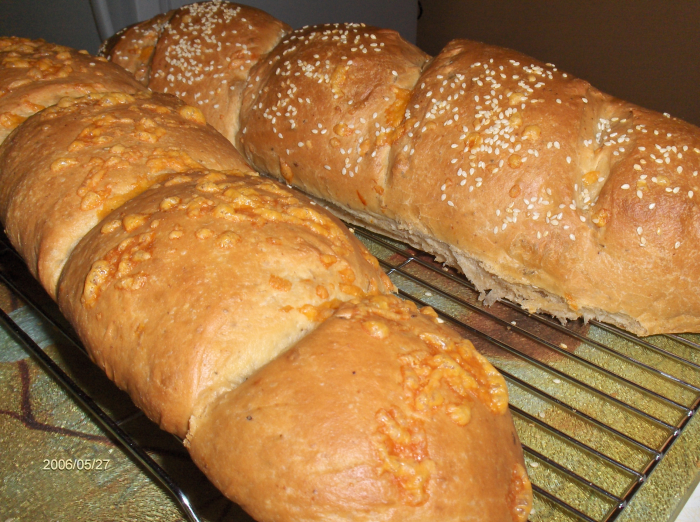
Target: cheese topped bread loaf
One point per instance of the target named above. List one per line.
(35, 75)
(213, 275)
(195, 284)
(105, 148)
(401, 379)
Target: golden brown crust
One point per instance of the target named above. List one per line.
(77, 161)
(204, 55)
(35, 74)
(376, 415)
(132, 48)
(550, 185)
(322, 110)
(185, 290)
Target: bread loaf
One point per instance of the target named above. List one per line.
(201, 53)
(195, 284)
(216, 275)
(36, 74)
(400, 378)
(539, 187)
(595, 218)
(105, 149)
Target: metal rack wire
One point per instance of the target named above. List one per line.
(596, 408)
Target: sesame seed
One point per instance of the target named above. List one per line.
(678, 243)
(652, 206)
(625, 186)
(637, 167)
(639, 194)
(572, 237)
(584, 100)
(327, 167)
(568, 159)
(690, 194)
(443, 197)
(558, 101)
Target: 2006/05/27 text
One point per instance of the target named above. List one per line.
(76, 464)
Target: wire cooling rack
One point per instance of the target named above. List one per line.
(596, 408)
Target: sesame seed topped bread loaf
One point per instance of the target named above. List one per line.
(35, 74)
(201, 53)
(246, 319)
(548, 192)
(539, 187)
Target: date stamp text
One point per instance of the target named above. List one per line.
(76, 464)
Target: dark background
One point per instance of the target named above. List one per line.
(645, 51)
